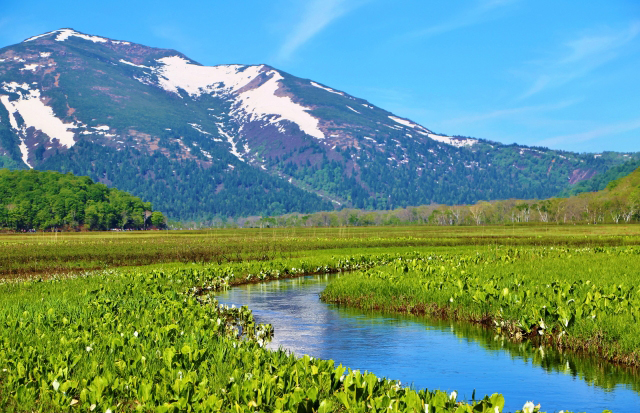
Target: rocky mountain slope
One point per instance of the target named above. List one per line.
(226, 140)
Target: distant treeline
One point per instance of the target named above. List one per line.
(619, 202)
(51, 200)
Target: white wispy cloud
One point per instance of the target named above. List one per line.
(580, 57)
(480, 12)
(317, 15)
(599, 132)
(510, 112)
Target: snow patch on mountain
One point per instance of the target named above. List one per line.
(257, 103)
(178, 73)
(5, 102)
(262, 102)
(199, 128)
(234, 148)
(395, 127)
(408, 123)
(64, 34)
(40, 35)
(24, 150)
(457, 142)
(353, 110)
(328, 89)
(36, 113)
(32, 67)
(133, 64)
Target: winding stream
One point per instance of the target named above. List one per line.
(434, 355)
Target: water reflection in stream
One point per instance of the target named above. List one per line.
(434, 355)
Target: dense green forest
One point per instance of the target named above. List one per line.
(51, 200)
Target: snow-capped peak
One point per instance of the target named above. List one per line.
(64, 34)
(254, 100)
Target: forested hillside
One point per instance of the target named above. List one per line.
(618, 203)
(47, 200)
(600, 181)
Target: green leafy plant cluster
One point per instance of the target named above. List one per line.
(584, 299)
(157, 340)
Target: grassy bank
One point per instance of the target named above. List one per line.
(156, 341)
(583, 299)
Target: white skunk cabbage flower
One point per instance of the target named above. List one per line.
(528, 407)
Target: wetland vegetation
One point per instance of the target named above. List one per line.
(128, 321)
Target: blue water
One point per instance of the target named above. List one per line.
(433, 355)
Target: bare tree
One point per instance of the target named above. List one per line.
(477, 212)
(543, 208)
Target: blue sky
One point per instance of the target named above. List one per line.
(560, 74)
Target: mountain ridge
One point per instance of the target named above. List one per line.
(98, 100)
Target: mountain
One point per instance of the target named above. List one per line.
(235, 140)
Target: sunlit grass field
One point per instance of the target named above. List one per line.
(42, 254)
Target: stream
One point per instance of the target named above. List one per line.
(434, 355)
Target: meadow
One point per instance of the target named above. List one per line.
(45, 253)
(112, 322)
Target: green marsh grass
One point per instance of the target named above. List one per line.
(156, 341)
(583, 299)
(126, 321)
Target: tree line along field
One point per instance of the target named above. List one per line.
(133, 325)
(32, 200)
